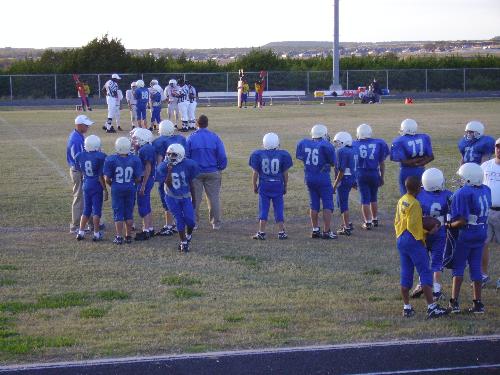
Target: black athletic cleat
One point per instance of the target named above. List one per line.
(111, 130)
(165, 231)
(436, 296)
(436, 312)
(477, 307)
(417, 292)
(375, 223)
(189, 237)
(350, 227)
(343, 231)
(408, 313)
(128, 239)
(367, 226)
(97, 237)
(79, 237)
(454, 306)
(119, 128)
(316, 233)
(259, 236)
(282, 235)
(142, 236)
(329, 235)
(118, 240)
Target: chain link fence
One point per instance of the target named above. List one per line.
(62, 86)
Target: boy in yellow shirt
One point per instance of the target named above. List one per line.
(410, 235)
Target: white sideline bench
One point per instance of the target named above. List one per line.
(219, 95)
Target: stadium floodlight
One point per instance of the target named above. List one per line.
(335, 52)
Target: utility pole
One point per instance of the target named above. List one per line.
(336, 54)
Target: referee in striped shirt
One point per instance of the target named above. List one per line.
(111, 90)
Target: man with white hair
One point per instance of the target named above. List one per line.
(171, 93)
(111, 90)
(491, 169)
(132, 104)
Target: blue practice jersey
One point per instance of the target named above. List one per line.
(162, 142)
(142, 96)
(369, 153)
(473, 151)
(345, 161)
(472, 203)
(156, 99)
(408, 147)
(123, 170)
(317, 157)
(436, 204)
(270, 165)
(182, 176)
(147, 153)
(92, 166)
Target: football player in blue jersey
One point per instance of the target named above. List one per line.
(476, 147)
(270, 178)
(122, 171)
(370, 155)
(91, 163)
(435, 200)
(412, 150)
(141, 143)
(141, 94)
(160, 144)
(318, 155)
(345, 179)
(180, 172)
(155, 97)
(469, 214)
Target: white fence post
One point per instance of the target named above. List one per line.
(99, 85)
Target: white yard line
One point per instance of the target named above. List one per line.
(60, 171)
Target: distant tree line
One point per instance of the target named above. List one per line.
(104, 55)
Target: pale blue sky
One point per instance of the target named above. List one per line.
(223, 23)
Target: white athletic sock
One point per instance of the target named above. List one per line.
(81, 232)
(97, 234)
(406, 307)
(151, 229)
(437, 287)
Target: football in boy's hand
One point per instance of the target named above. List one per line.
(430, 222)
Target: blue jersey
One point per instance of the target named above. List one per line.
(408, 147)
(472, 204)
(436, 204)
(141, 94)
(473, 151)
(183, 174)
(270, 165)
(123, 171)
(147, 153)
(369, 153)
(345, 161)
(156, 99)
(92, 166)
(317, 157)
(74, 145)
(162, 142)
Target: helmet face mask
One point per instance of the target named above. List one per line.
(175, 154)
(471, 174)
(474, 130)
(140, 137)
(433, 180)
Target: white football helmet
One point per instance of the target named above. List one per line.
(271, 141)
(471, 174)
(342, 139)
(172, 82)
(142, 136)
(433, 179)
(140, 83)
(364, 131)
(122, 145)
(175, 153)
(408, 126)
(166, 128)
(319, 131)
(93, 143)
(153, 82)
(476, 128)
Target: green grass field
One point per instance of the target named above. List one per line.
(61, 299)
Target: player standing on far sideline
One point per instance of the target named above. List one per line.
(183, 104)
(142, 96)
(132, 104)
(345, 169)
(474, 146)
(141, 142)
(179, 173)
(370, 155)
(160, 145)
(192, 96)
(318, 155)
(435, 201)
(270, 168)
(122, 171)
(156, 98)
(118, 107)
(469, 214)
(91, 163)
(410, 236)
(412, 150)
(171, 93)
(111, 89)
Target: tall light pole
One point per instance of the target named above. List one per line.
(336, 54)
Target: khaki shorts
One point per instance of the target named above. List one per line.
(493, 226)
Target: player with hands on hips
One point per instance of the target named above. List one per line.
(412, 150)
(345, 179)
(474, 146)
(142, 97)
(370, 154)
(111, 90)
(132, 104)
(269, 179)
(318, 155)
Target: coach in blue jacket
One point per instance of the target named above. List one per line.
(206, 148)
